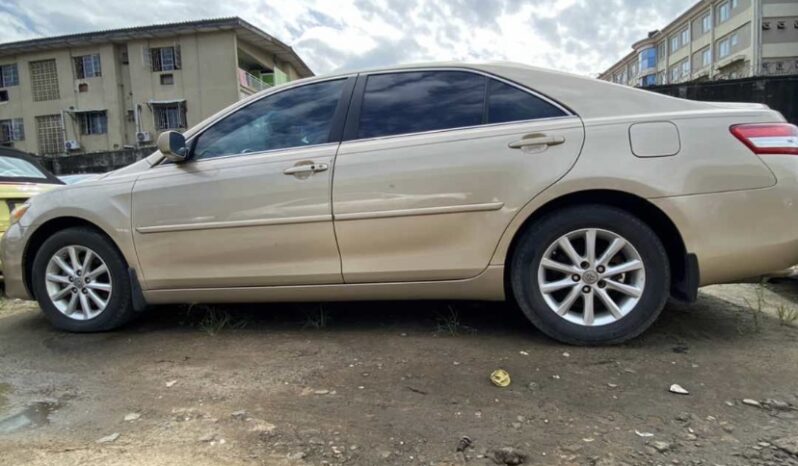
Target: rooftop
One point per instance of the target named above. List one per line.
(245, 31)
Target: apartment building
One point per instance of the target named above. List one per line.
(715, 39)
(116, 89)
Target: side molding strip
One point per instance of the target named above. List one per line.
(454, 209)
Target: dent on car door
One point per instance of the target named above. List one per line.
(434, 166)
(252, 205)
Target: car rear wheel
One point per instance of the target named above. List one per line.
(81, 283)
(591, 275)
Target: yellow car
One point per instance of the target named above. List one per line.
(21, 177)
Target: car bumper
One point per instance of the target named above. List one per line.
(740, 235)
(12, 248)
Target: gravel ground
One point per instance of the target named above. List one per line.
(402, 383)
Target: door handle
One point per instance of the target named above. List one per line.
(537, 139)
(306, 168)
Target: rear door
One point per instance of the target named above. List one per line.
(435, 164)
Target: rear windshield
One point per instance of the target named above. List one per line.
(11, 167)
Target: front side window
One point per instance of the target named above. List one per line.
(507, 103)
(295, 117)
(412, 102)
(9, 76)
(87, 66)
(93, 122)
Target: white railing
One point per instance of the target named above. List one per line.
(251, 81)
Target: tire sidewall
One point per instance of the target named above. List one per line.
(537, 240)
(118, 308)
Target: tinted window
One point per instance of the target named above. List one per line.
(11, 167)
(508, 103)
(293, 118)
(421, 101)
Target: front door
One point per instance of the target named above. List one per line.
(434, 166)
(252, 205)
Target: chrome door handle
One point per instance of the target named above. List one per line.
(537, 139)
(306, 168)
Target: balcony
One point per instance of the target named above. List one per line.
(250, 83)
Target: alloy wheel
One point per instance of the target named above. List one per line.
(78, 282)
(591, 277)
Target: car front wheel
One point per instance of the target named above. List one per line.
(81, 282)
(591, 275)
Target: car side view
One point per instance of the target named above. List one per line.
(587, 203)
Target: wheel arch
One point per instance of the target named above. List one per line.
(46, 230)
(684, 266)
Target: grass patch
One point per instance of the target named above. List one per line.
(212, 319)
(756, 309)
(316, 318)
(449, 322)
(787, 315)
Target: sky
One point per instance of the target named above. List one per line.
(579, 36)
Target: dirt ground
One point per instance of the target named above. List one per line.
(402, 383)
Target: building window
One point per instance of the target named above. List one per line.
(735, 3)
(11, 130)
(44, 80)
(734, 40)
(165, 58)
(661, 52)
(686, 68)
(674, 43)
(167, 79)
(706, 57)
(649, 80)
(648, 58)
(87, 66)
(685, 36)
(706, 23)
(9, 76)
(50, 132)
(169, 116)
(93, 122)
(724, 12)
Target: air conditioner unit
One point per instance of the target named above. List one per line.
(143, 136)
(71, 145)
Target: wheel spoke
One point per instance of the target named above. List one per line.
(610, 304)
(73, 302)
(73, 258)
(63, 265)
(98, 271)
(566, 303)
(568, 249)
(84, 304)
(559, 266)
(587, 313)
(590, 246)
(558, 285)
(60, 294)
(51, 277)
(99, 286)
(99, 302)
(87, 260)
(630, 266)
(624, 288)
(614, 248)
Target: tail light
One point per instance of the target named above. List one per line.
(768, 138)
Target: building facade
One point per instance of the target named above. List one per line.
(715, 39)
(109, 90)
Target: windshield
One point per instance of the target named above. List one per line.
(11, 167)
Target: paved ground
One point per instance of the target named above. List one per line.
(402, 383)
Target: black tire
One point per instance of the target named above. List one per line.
(534, 243)
(119, 309)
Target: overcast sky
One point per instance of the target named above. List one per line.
(582, 36)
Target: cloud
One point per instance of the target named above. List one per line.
(582, 36)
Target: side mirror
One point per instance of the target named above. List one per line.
(173, 146)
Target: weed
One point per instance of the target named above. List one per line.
(757, 309)
(787, 315)
(449, 321)
(212, 320)
(317, 318)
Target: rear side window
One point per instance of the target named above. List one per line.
(507, 103)
(412, 102)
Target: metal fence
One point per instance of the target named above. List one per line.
(778, 92)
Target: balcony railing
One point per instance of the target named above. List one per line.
(252, 82)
